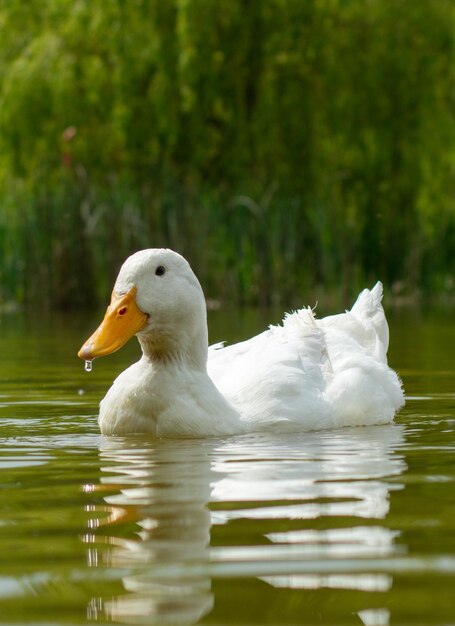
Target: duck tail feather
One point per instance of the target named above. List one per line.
(368, 310)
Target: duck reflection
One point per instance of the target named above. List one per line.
(159, 503)
(163, 497)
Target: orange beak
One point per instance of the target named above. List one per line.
(123, 319)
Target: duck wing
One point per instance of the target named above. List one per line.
(313, 374)
(278, 378)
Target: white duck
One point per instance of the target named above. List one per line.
(307, 374)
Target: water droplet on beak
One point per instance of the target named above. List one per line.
(88, 366)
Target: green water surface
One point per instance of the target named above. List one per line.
(354, 526)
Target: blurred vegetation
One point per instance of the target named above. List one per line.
(280, 145)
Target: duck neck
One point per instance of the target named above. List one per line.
(188, 350)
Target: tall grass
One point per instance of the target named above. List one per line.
(282, 146)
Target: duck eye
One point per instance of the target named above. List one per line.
(160, 270)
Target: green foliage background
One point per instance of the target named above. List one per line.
(278, 144)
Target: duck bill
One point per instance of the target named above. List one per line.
(123, 319)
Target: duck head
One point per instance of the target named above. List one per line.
(158, 298)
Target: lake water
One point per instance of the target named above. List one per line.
(354, 526)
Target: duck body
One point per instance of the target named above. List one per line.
(144, 398)
(305, 374)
